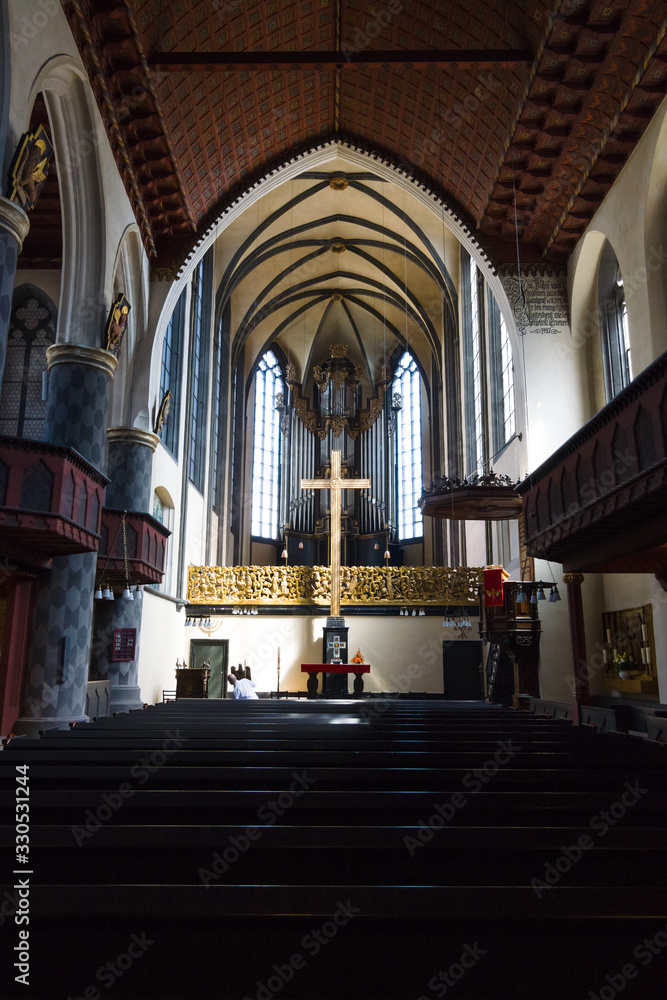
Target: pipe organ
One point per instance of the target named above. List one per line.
(339, 416)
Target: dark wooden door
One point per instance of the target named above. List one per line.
(462, 671)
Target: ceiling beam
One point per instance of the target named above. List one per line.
(315, 59)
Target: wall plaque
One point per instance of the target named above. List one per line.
(124, 644)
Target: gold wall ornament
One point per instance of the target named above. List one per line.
(116, 324)
(29, 168)
(338, 182)
(163, 412)
(337, 425)
(321, 378)
(314, 421)
(306, 415)
(360, 586)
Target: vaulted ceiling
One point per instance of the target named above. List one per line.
(518, 113)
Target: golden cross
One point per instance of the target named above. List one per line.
(336, 484)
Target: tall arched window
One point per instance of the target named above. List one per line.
(502, 376)
(171, 374)
(408, 449)
(199, 369)
(613, 325)
(266, 448)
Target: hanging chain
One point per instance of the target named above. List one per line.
(127, 571)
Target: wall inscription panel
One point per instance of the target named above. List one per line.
(539, 300)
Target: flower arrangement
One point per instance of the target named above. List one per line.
(357, 658)
(622, 663)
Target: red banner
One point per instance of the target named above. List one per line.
(493, 586)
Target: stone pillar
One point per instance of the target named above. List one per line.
(55, 693)
(14, 226)
(575, 610)
(130, 471)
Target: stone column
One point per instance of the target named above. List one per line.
(130, 471)
(14, 226)
(575, 609)
(80, 380)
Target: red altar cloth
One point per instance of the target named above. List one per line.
(335, 668)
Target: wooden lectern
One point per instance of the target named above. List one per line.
(192, 683)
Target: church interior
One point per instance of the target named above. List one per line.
(334, 333)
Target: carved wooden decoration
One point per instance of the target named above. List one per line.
(116, 324)
(359, 585)
(29, 168)
(163, 412)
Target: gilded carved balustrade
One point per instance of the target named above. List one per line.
(360, 585)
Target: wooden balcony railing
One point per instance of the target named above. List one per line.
(598, 503)
(50, 501)
(146, 541)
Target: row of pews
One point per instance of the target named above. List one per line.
(384, 849)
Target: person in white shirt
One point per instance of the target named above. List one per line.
(243, 688)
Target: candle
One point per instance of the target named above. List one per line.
(644, 657)
(609, 636)
(615, 653)
(644, 632)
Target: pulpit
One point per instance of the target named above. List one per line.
(192, 683)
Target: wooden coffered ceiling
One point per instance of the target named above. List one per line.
(519, 113)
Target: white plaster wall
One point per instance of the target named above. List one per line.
(390, 645)
(163, 641)
(555, 407)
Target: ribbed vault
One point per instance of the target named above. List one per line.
(330, 257)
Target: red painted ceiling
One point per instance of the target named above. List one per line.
(529, 138)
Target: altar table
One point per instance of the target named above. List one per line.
(313, 669)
